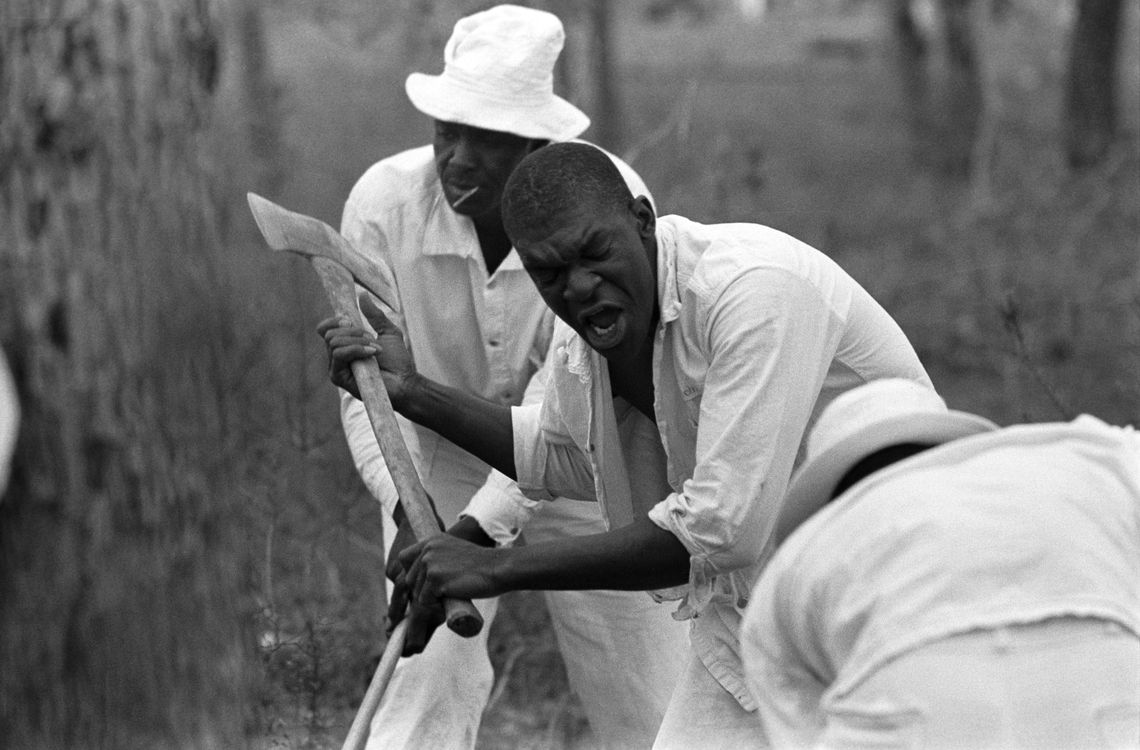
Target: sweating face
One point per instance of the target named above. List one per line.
(469, 158)
(597, 271)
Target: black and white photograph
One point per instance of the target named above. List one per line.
(569, 374)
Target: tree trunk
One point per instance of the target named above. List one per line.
(906, 29)
(1090, 97)
(118, 623)
(984, 148)
(964, 97)
(605, 112)
(261, 91)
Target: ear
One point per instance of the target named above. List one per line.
(642, 210)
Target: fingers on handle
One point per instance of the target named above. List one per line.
(393, 569)
(328, 324)
(398, 602)
(372, 312)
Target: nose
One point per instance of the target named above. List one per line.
(580, 284)
(464, 154)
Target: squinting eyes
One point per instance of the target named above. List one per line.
(484, 138)
(544, 275)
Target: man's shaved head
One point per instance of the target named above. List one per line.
(558, 177)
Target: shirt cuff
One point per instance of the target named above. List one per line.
(707, 584)
(501, 510)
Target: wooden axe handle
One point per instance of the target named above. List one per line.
(462, 616)
(358, 733)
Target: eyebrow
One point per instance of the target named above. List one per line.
(543, 256)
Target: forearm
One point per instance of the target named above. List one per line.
(638, 557)
(481, 427)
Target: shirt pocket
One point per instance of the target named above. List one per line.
(691, 394)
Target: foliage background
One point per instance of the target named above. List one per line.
(186, 556)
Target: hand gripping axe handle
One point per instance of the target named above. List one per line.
(338, 265)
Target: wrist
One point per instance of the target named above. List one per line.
(469, 530)
(408, 399)
(502, 573)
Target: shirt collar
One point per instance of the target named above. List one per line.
(668, 294)
(446, 232)
(449, 233)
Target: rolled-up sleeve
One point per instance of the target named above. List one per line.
(769, 339)
(547, 461)
(500, 506)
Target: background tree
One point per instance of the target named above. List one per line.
(960, 110)
(941, 77)
(119, 625)
(604, 108)
(1090, 97)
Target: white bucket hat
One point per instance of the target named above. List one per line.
(861, 421)
(499, 75)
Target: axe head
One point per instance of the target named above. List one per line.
(308, 236)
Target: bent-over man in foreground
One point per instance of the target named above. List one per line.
(689, 362)
(952, 584)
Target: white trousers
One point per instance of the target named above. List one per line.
(623, 652)
(702, 715)
(1060, 683)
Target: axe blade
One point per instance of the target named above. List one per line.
(286, 230)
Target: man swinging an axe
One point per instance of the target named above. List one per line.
(687, 364)
(430, 218)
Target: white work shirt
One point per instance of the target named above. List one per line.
(758, 332)
(1008, 527)
(485, 334)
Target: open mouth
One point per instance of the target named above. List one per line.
(603, 327)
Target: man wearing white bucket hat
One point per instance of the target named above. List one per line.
(474, 321)
(941, 582)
